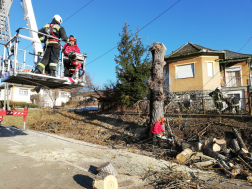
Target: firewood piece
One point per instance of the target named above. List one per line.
(249, 178)
(194, 146)
(108, 168)
(213, 146)
(214, 154)
(222, 143)
(244, 162)
(237, 135)
(184, 155)
(235, 170)
(207, 157)
(105, 181)
(235, 145)
(203, 164)
(244, 153)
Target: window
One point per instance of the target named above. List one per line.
(185, 71)
(63, 94)
(210, 69)
(23, 92)
(233, 76)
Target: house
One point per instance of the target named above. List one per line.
(23, 93)
(196, 68)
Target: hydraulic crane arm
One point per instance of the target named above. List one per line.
(31, 22)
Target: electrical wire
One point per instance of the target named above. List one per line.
(137, 31)
(78, 10)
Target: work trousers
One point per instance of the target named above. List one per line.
(67, 72)
(218, 106)
(155, 138)
(50, 57)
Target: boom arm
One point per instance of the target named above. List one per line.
(31, 21)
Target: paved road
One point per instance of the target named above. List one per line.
(33, 160)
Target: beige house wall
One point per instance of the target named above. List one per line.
(200, 80)
(210, 83)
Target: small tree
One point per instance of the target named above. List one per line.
(36, 99)
(133, 67)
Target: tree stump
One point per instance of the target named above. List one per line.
(107, 168)
(105, 181)
(156, 82)
(106, 177)
(184, 155)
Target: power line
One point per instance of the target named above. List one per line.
(245, 44)
(138, 30)
(79, 10)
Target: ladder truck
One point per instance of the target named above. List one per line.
(15, 71)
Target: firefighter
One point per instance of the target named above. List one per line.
(217, 97)
(67, 50)
(52, 46)
(157, 132)
(234, 103)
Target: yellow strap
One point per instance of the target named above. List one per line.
(53, 64)
(41, 38)
(42, 65)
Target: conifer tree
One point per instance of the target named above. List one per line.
(133, 67)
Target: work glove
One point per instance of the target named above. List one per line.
(42, 39)
(161, 134)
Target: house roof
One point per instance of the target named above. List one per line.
(191, 48)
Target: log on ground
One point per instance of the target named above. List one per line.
(107, 168)
(105, 181)
(184, 155)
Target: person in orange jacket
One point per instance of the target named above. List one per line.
(157, 131)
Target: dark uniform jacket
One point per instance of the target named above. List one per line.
(55, 30)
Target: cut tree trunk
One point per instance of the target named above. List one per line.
(194, 146)
(214, 154)
(222, 143)
(213, 146)
(184, 155)
(203, 164)
(235, 145)
(237, 135)
(156, 82)
(235, 170)
(105, 181)
(107, 168)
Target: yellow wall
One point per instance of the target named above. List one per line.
(200, 79)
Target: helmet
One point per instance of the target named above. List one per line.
(72, 38)
(58, 19)
(162, 120)
(218, 88)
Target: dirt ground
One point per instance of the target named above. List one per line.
(131, 133)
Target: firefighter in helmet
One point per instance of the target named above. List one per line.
(234, 103)
(68, 49)
(217, 97)
(52, 45)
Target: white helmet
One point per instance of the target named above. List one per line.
(58, 19)
(218, 88)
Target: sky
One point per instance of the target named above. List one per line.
(215, 24)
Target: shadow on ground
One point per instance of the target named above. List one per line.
(10, 131)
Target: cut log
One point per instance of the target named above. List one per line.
(184, 155)
(105, 181)
(107, 168)
(214, 154)
(235, 145)
(203, 164)
(213, 146)
(194, 146)
(244, 153)
(249, 178)
(222, 143)
(237, 135)
(235, 170)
